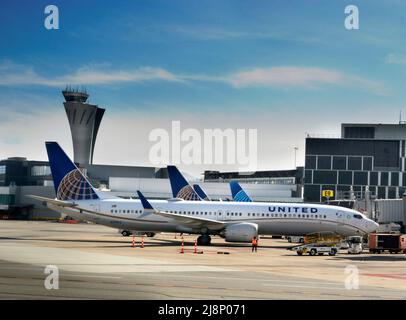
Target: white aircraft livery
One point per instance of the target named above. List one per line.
(234, 221)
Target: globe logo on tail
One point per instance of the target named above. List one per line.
(187, 193)
(74, 186)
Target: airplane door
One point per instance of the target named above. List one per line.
(221, 215)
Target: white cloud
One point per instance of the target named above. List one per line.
(13, 75)
(393, 58)
(283, 77)
(292, 76)
(89, 75)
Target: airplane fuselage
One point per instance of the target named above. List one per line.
(271, 218)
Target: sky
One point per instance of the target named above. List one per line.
(284, 68)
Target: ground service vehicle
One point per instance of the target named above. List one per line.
(354, 245)
(319, 244)
(295, 239)
(316, 249)
(380, 242)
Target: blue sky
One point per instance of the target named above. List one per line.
(277, 66)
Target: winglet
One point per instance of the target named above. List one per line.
(145, 203)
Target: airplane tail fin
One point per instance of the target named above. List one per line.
(148, 209)
(238, 193)
(180, 187)
(200, 192)
(69, 181)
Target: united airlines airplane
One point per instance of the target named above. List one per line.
(234, 221)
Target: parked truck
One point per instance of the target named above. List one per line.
(380, 242)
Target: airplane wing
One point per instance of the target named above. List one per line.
(194, 222)
(56, 202)
(66, 204)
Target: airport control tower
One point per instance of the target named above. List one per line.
(84, 120)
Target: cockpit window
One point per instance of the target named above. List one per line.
(357, 216)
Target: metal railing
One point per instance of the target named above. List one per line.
(323, 135)
(283, 181)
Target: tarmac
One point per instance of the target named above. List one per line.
(96, 262)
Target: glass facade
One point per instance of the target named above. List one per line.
(359, 132)
(339, 163)
(40, 171)
(373, 178)
(354, 163)
(22, 172)
(342, 164)
(7, 199)
(345, 177)
(324, 162)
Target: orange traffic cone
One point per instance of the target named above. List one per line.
(133, 244)
(195, 247)
(142, 242)
(182, 250)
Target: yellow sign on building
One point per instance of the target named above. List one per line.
(327, 193)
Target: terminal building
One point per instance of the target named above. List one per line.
(367, 157)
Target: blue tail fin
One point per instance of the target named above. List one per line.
(180, 187)
(238, 193)
(69, 182)
(145, 203)
(200, 192)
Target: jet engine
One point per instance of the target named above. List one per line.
(240, 232)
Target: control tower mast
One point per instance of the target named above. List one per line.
(84, 120)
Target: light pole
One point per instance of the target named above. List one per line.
(296, 148)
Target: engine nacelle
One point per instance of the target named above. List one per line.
(240, 232)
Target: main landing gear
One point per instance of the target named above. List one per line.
(204, 240)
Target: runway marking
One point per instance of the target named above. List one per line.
(251, 279)
(398, 276)
(289, 283)
(307, 286)
(90, 276)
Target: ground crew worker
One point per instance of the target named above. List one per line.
(254, 244)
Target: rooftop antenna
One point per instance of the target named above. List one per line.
(400, 118)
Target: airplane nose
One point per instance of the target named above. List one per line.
(372, 226)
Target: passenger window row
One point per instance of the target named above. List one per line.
(272, 215)
(125, 211)
(290, 215)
